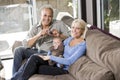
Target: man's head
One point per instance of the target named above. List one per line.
(46, 15)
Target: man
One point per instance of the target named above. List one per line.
(39, 38)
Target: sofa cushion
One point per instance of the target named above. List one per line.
(16, 44)
(104, 50)
(49, 77)
(85, 69)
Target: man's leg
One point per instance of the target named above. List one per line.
(20, 54)
(29, 68)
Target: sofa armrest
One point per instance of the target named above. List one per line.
(1, 65)
(16, 44)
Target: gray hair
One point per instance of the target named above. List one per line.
(46, 7)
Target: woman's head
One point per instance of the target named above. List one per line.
(78, 28)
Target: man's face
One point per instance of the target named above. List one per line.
(46, 17)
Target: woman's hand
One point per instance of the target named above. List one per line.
(44, 57)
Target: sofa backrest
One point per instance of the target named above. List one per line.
(104, 50)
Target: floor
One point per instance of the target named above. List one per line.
(7, 68)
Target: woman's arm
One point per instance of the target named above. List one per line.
(68, 61)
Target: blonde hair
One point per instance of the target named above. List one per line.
(58, 38)
(82, 24)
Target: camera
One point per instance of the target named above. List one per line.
(50, 32)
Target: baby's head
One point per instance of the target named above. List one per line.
(56, 42)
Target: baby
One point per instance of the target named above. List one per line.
(56, 50)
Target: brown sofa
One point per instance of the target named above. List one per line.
(101, 61)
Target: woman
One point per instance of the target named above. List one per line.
(74, 48)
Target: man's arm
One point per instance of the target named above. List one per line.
(33, 35)
(32, 40)
(63, 30)
(40, 34)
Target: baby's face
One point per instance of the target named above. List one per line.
(56, 42)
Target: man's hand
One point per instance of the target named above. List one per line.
(55, 33)
(43, 32)
(44, 57)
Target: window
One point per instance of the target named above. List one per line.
(66, 7)
(111, 16)
(17, 17)
(14, 23)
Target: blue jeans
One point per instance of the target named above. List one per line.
(20, 54)
(34, 65)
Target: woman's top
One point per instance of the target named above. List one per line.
(71, 53)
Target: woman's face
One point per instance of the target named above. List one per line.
(46, 17)
(76, 31)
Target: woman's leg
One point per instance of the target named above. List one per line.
(31, 67)
(20, 54)
(51, 70)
